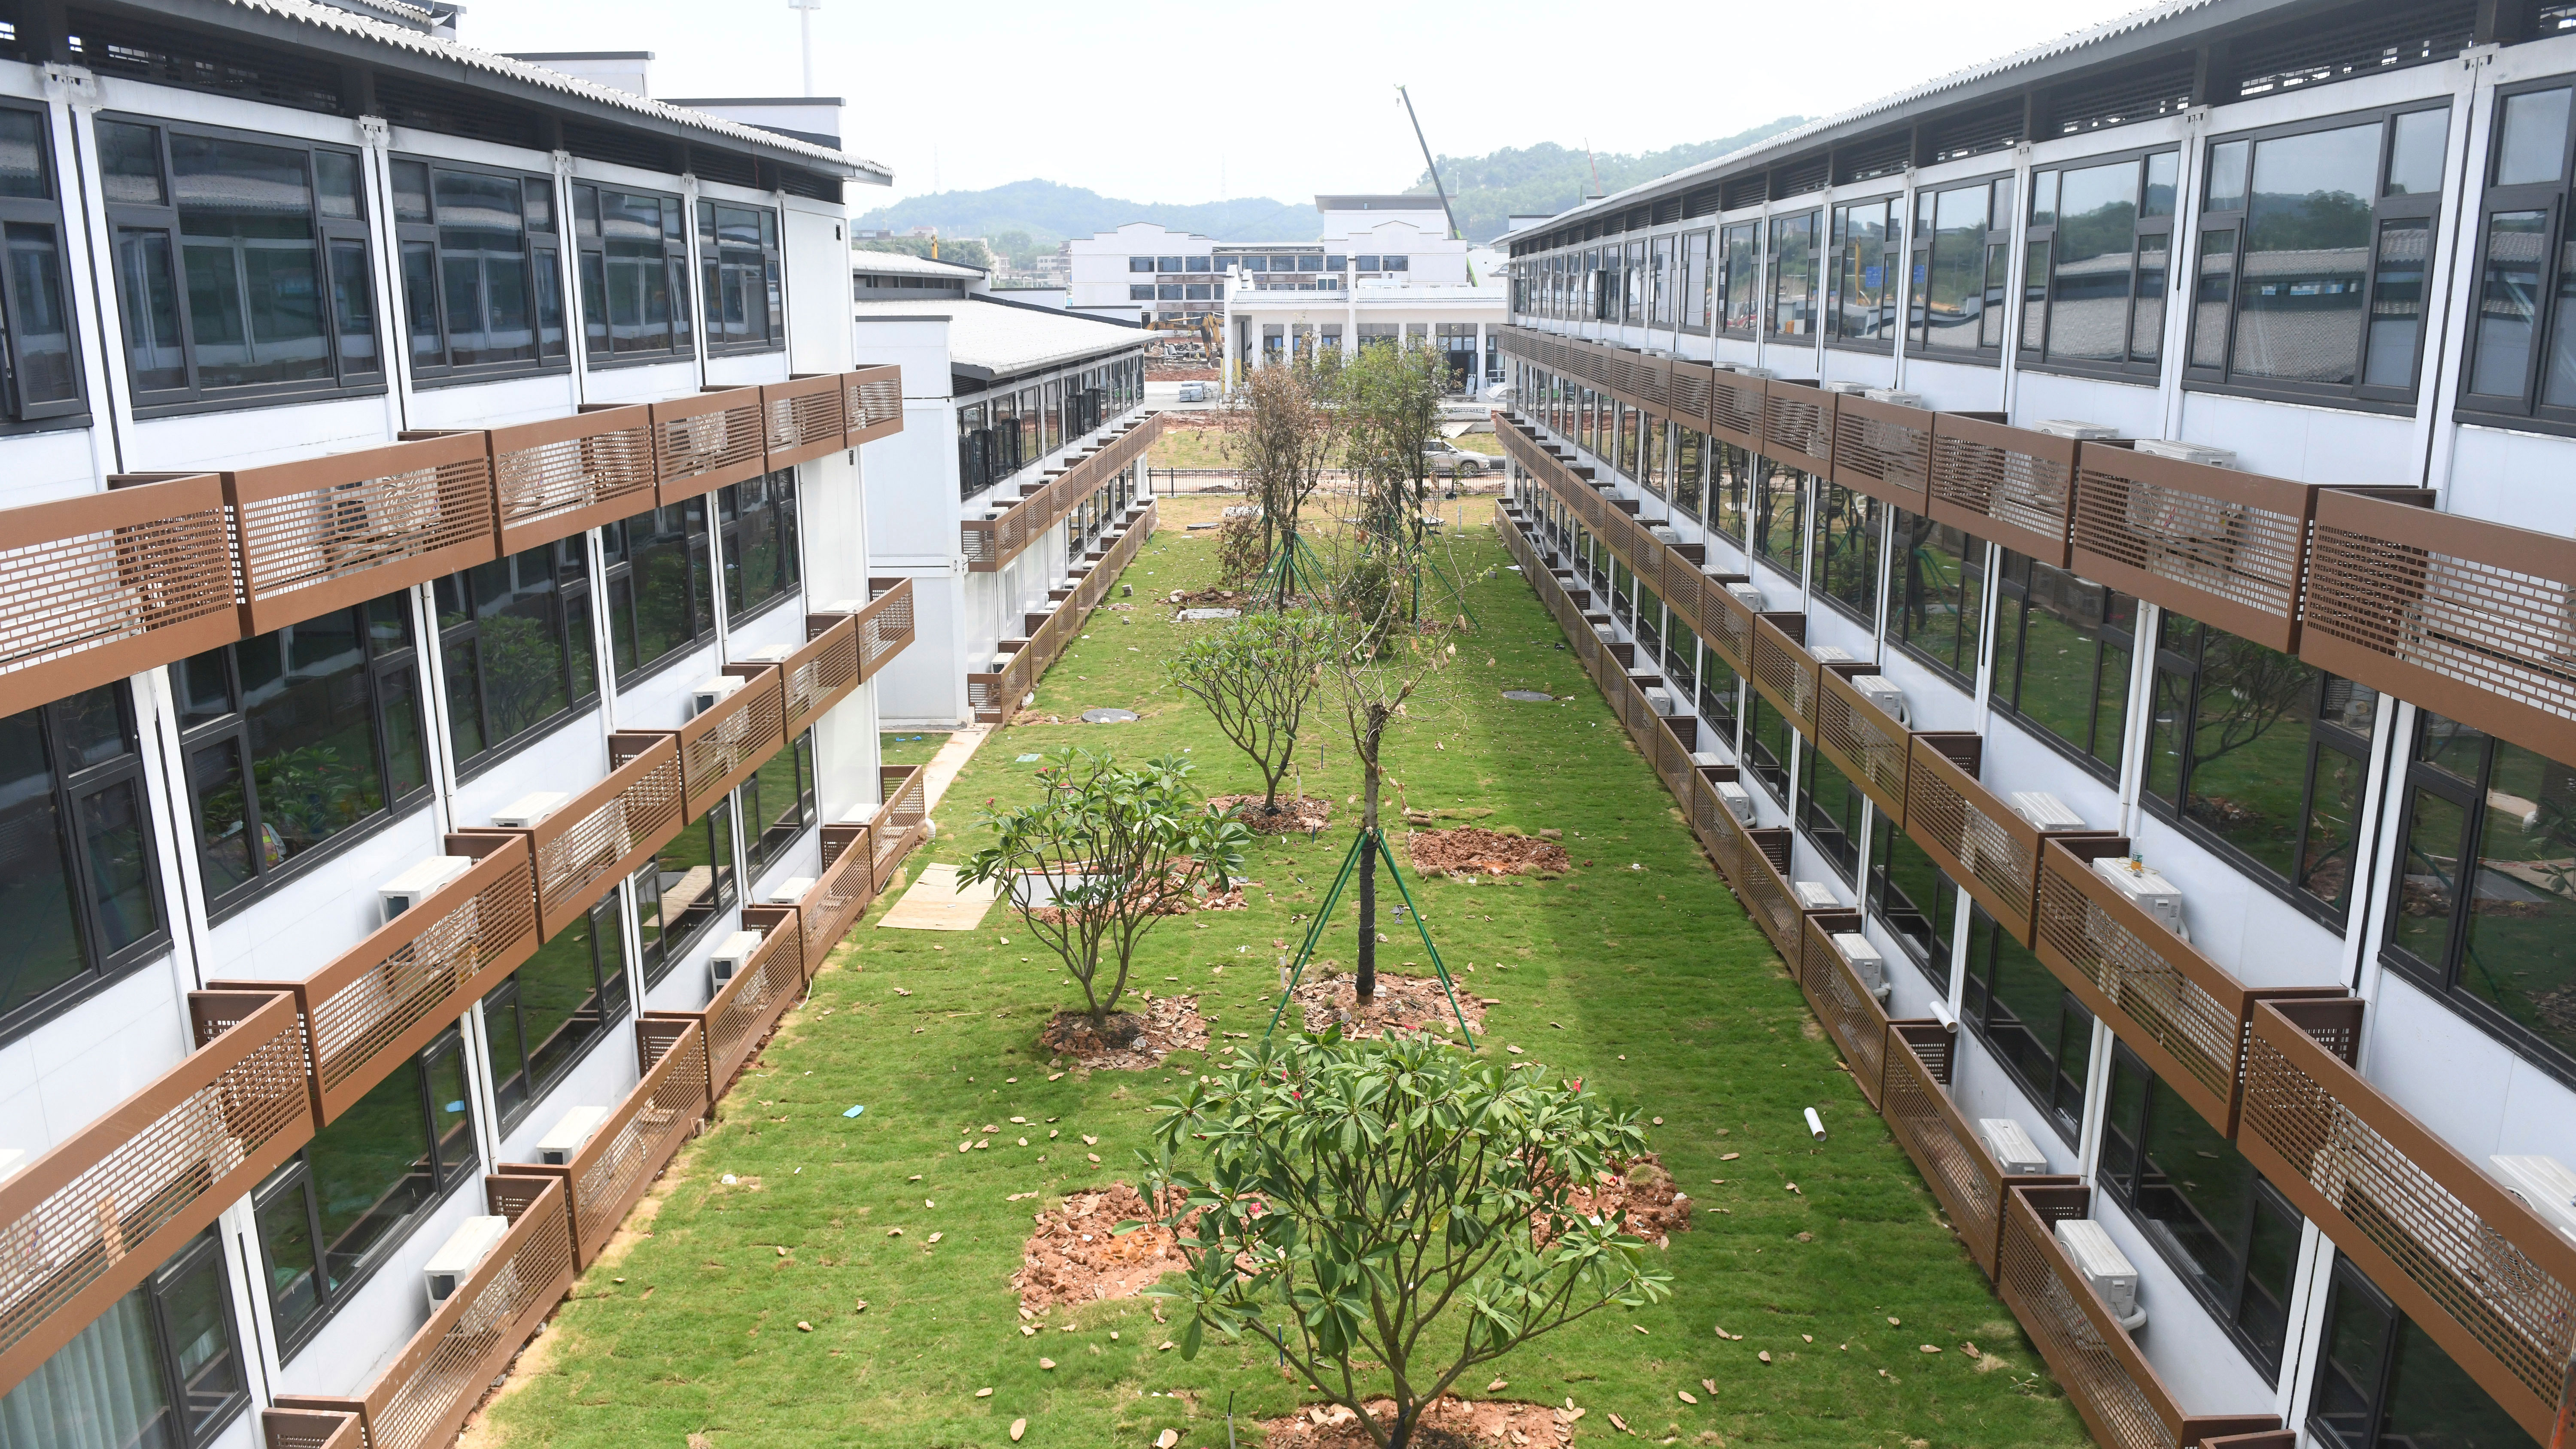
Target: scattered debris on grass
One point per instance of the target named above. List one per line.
(1474, 850)
(1326, 995)
(1450, 1423)
(1209, 598)
(1129, 1039)
(1641, 1187)
(1077, 1257)
(1295, 813)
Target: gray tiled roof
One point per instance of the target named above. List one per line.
(1003, 338)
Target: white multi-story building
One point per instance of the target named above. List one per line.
(439, 725)
(2085, 537)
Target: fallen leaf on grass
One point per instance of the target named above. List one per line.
(803, 1327)
(1018, 1427)
(1046, 1363)
(1686, 1396)
(1764, 1355)
(1710, 1385)
(1729, 1156)
(1497, 1386)
(983, 1393)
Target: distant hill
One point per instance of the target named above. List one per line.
(1485, 191)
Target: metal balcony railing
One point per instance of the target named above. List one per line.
(707, 440)
(885, 625)
(722, 747)
(739, 1016)
(1976, 839)
(629, 1148)
(2011, 485)
(96, 588)
(802, 419)
(1883, 450)
(995, 694)
(553, 479)
(1863, 741)
(990, 543)
(334, 531)
(608, 831)
(1946, 1149)
(871, 404)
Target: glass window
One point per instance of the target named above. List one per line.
(1962, 261)
(1867, 238)
(2036, 1027)
(1913, 899)
(78, 884)
(1769, 745)
(1937, 595)
(1793, 275)
(481, 269)
(40, 373)
(1829, 810)
(1719, 691)
(514, 645)
(2225, 1230)
(1847, 532)
(758, 520)
(2484, 915)
(339, 1208)
(1634, 284)
(2314, 248)
(634, 257)
(1730, 491)
(739, 261)
(683, 889)
(2383, 1383)
(297, 737)
(1778, 517)
(2094, 273)
(778, 803)
(555, 1007)
(659, 604)
(227, 266)
(2522, 352)
(1146, 264)
(2264, 755)
(1698, 282)
(1741, 265)
(1690, 471)
(2062, 649)
(160, 1369)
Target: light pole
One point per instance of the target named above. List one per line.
(805, 22)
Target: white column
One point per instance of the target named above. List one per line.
(1476, 374)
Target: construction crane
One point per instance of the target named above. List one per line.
(1436, 186)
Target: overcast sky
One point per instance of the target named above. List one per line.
(1148, 101)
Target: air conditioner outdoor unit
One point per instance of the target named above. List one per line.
(843, 606)
(1866, 963)
(458, 1257)
(2070, 428)
(1884, 696)
(731, 957)
(2043, 811)
(1749, 596)
(1896, 398)
(1605, 633)
(420, 882)
(1737, 800)
(1743, 370)
(1829, 653)
(2182, 452)
(768, 654)
(2104, 1266)
(1813, 895)
(2010, 1144)
(530, 811)
(712, 692)
(1660, 701)
(791, 890)
(1705, 757)
(566, 1137)
(2146, 889)
(1849, 389)
(1664, 533)
(1001, 661)
(2543, 1184)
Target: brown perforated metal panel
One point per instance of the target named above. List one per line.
(1850, 1013)
(330, 532)
(553, 479)
(1735, 409)
(1954, 1164)
(871, 404)
(740, 1015)
(722, 747)
(706, 441)
(1866, 745)
(2224, 547)
(885, 625)
(1883, 450)
(801, 419)
(823, 673)
(1798, 425)
(2011, 485)
(611, 1172)
(1783, 669)
(97, 588)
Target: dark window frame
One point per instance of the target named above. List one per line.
(571, 592)
(1775, 274)
(1889, 320)
(2031, 354)
(17, 415)
(2014, 591)
(720, 269)
(71, 784)
(2358, 395)
(778, 504)
(776, 832)
(330, 237)
(1903, 596)
(1873, 515)
(599, 351)
(1940, 918)
(2397, 1332)
(1988, 942)
(542, 252)
(610, 996)
(618, 576)
(2553, 312)
(1838, 841)
(1769, 768)
(666, 949)
(1923, 245)
(1747, 233)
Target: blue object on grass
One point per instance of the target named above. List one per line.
(854, 1111)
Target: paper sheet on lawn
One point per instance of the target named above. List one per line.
(936, 902)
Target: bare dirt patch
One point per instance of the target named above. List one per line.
(1208, 598)
(1450, 1423)
(1474, 850)
(1640, 1187)
(1296, 813)
(1129, 1040)
(1076, 1256)
(1327, 997)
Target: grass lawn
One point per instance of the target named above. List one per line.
(910, 747)
(1185, 447)
(1637, 972)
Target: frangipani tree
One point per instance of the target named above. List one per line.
(1257, 675)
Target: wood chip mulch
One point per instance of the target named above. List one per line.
(1474, 850)
(1076, 1257)
(1327, 996)
(1296, 813)
(1641, 1187)
(1132, 1039)
(1450, 1423)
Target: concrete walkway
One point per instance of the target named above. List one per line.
(950, 762)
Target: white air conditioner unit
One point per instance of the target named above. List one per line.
(1737, 800)
(1001, 662)
(2146, 889)
(2010, 1145)
(2043, 811)
(1605, 633)
(566, 1137)
(1749, 596)
(768, 654)
(1666, 534)
(1746, 370)
(1896, 398)
(1813, 895)
(421, 882)
(2543, 1184)
(2182, 452)
(458, 1257)
(1660, 701)
(1884, 696)
(1849, 389)
(2079, 431)
(843, 606)
(791, 890)
(1705, 757)
(2104, 1266)
(1829, 653)
(731, 957)
(530, 811)
(712, 692)
(11, 1159)
(1866, 963)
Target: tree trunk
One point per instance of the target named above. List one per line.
(1367, 988)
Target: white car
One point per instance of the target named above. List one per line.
(1442, 458)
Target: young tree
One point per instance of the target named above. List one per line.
(1283, 431)
(1121, 847)
(1351, 1195)
(1390, 405)
(1257, 675)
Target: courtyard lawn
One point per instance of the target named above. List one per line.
(1637, 972)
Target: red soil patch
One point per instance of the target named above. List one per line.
(1129, 1040)
(1644, 1190)
(1473, 850)
(1296, 813)
(1076, 1256)
(1450, 1423)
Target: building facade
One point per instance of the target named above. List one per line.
(437, 696)
(1030, 420)
(2081, 539)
